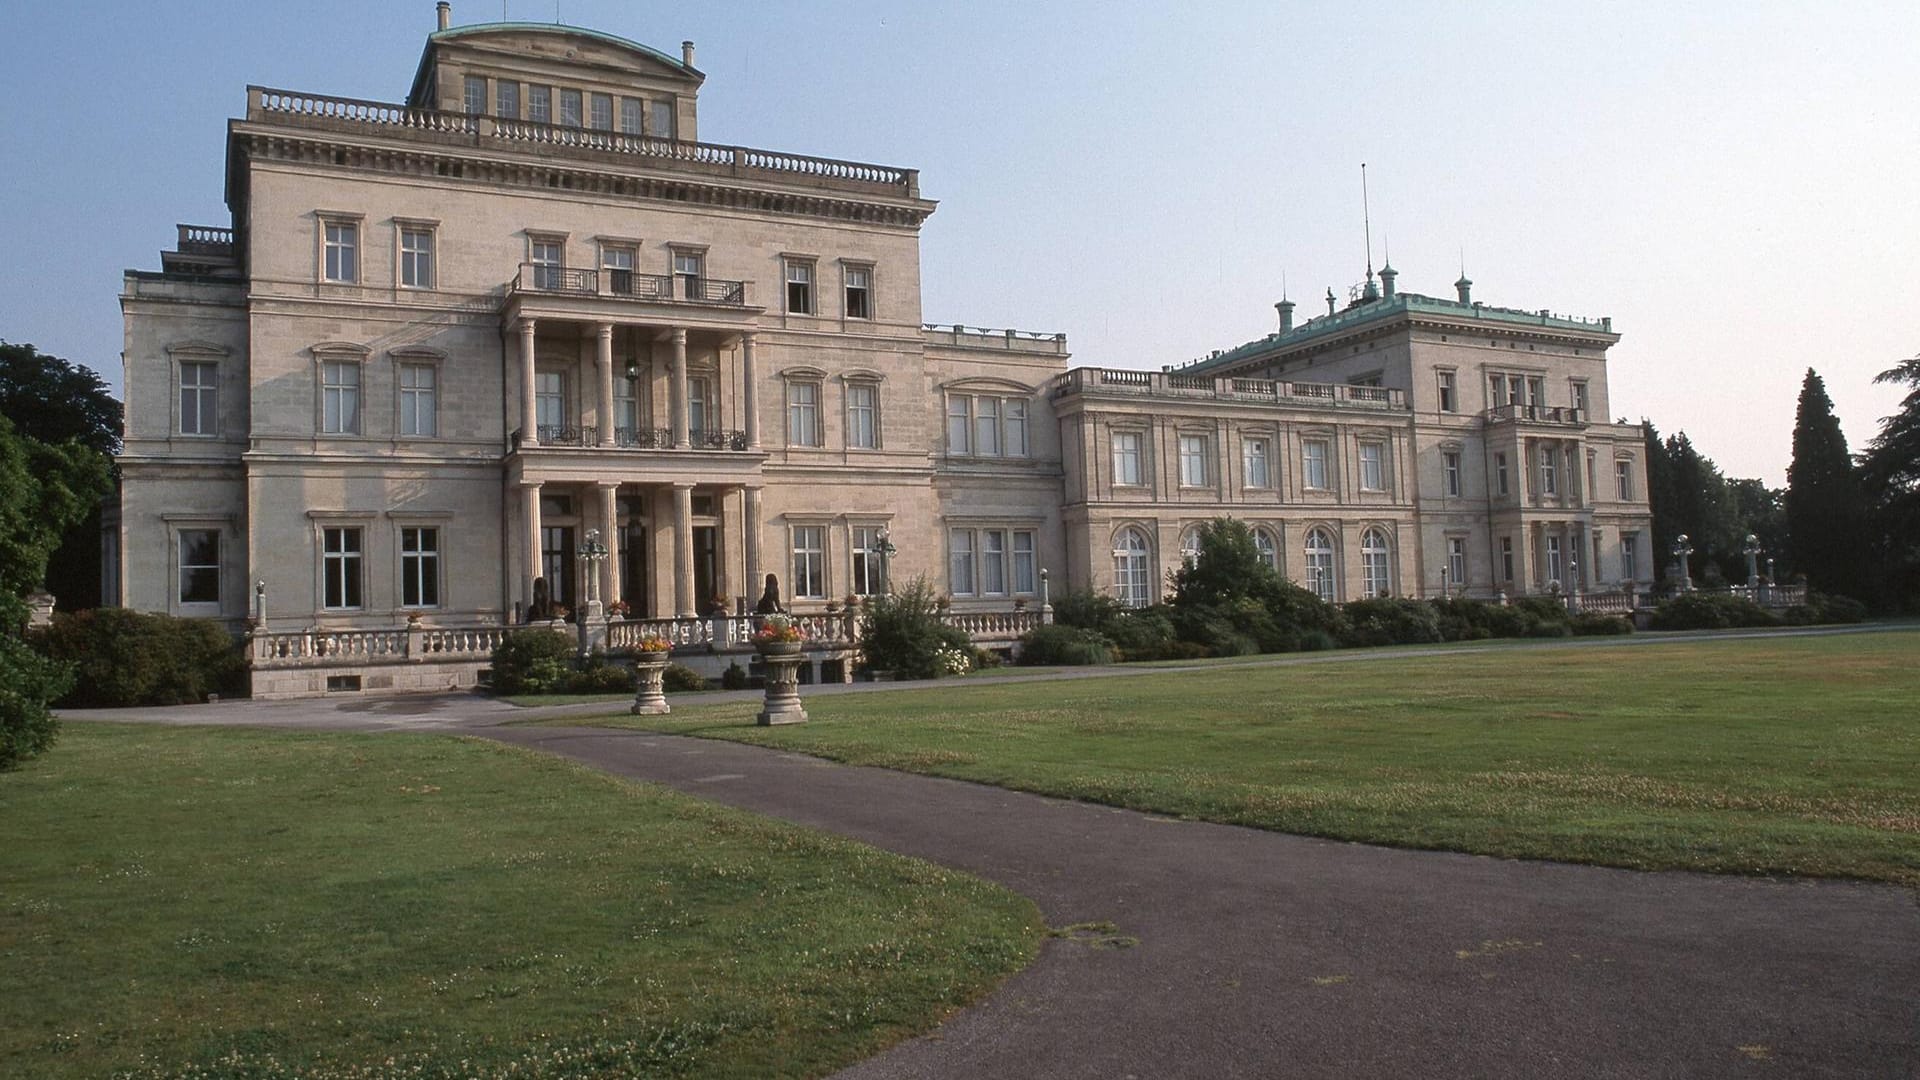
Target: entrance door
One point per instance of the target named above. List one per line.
(706, 566)
(556, 563)
(633, 570)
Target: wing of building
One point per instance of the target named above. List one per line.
(449, 345)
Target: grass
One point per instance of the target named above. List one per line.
(201, 902)
(1768, 756)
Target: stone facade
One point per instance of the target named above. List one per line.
(447, 341)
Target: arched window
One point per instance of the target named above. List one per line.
(1320, 564)
(1267, 548)
(1374, 573)
(1132, 575)
(1190, 546)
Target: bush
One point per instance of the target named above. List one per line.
(1064, 646)
(734, 678)
(1710, 611)
(1317, 641)
(1390, 621)
(28, 682)
(680, 679)
(901, 632)
(598, 676)
(532, 662)
(1086, 609)
(122, 658)
(1595, 624)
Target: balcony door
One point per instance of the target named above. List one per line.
(706, 565)
(556, 563)
(633, 571)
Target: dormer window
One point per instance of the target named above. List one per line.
(570, 108)
(476, 99)
(507, 99)
(603, 112)
(540, 104)
(630, 115)
(660, 119)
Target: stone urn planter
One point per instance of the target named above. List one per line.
(782, 663)
(651, 697)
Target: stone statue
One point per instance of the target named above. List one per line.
(542, 607)
(770, 599)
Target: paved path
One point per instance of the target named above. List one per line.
(1261, 954)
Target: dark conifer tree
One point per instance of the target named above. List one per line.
(1826, 505)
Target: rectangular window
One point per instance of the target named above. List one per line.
(630, 115)
(199, 566)
(1449, 393)
(1629, 561)
(419, 567)
(691, 268)
(986, 426)
(1580, 396)
(570, 108)
(1313, 464)
(343, 251)
(859, 292)
(699, 402)
(799, 287)
(1016, 428)
(1500, 473)
(547, 257)
(1254, 463)
(959, 424)
(960, 562)
(506, 98)
(602, 112)
(1456, 561)
(1373, 468)
(993, 563)
(1496, 390)
(340, 568)
(1549, 475)
(869, 566)
(550, 403)
(1024, 563)
(1506, 558)
(416, 258)
(476, 102)
(1193, 460)
(617, 261)
(417, 412)
(1126, 458)
(1623, 480)
(1553, 558)
(660, 119)
(1537, 390)
(199, 399)
(863, 413)
(540, 104)
(626, 405)
(340, 397)
(803, 414)
(810, 562)
(1450, 467)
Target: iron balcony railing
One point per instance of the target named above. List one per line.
(646, 438)
(628, 285)
(552, 435)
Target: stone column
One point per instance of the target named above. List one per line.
(604, 359)
(529, 425)
(685, 604)
(1523, 575)
(750, 536)
(749, 401)
(610, 532)
(680, 390)
(530, 512)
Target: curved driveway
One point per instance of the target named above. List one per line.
(1234, 952)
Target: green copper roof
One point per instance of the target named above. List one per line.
(494, 27)
(1398, 303)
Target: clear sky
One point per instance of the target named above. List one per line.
(1735, 184)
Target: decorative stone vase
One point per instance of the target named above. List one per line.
(782, 660)
(651, 698)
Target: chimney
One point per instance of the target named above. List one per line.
(686, 53)
(446, 13)
(1387, 274)
(1465, 288)
(1285, 308)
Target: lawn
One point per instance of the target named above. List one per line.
(202, 902)
(1769, 756)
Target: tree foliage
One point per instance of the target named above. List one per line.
(54, 400)
(1890, 472)
(1826, 505)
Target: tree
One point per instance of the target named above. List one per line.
(1826, 505)
(1890, 472)
(1688, 495)
(1763, 512)
(53, 401)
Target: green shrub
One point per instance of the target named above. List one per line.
(28, 682)
(1391, 621)
(1064, 646)
(1317, 641)
(597, 675)
(1596, 624)
(532, 662)
(1086, 609)
(1710, 611)
(122, 658)
(679, 679)
(901, 632)
(734, 678)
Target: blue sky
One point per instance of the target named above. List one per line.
(1733, 183)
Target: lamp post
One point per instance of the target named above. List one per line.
(1046, 599)
(592, 553)
(1443, 583)
(1573, 586)
(1682, 550)
(260, 603)
(1752, 551)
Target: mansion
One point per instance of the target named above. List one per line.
(448, 345)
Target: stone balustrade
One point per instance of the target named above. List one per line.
(1268, 391)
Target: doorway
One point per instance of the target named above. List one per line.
(633, 571)
(706, 567)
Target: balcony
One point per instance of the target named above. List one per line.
(543, 279)
(587, 436)
(1164, 384)
(1565, 415)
